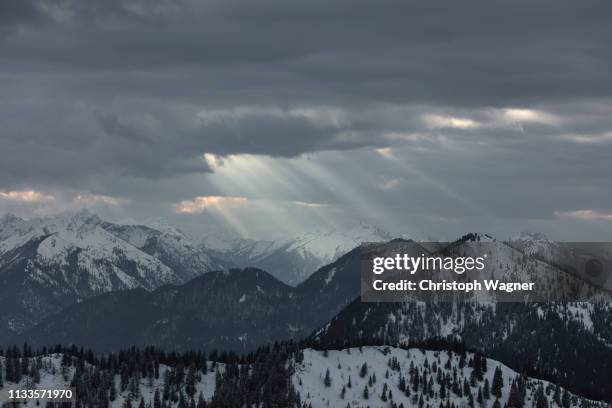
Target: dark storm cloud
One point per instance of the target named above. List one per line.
(14, 12)
(267, 135)
(470, 52)
(125, 97)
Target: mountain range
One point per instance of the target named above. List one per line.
(80, 280)
(47, 264)
(242, 309)
(292, 260)
(238, 309)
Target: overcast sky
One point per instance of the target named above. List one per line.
(429, 119)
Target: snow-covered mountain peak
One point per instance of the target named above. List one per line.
(477, 237)
(293, 259)
(533, 243)
(74, 219)
(10, 219)
(365, 230)
(74, 227)
(530, 236)
(162, 225)
(83, 215)
(328, 245)
(10, 224)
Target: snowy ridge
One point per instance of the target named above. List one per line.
(99, 254)
(234, 247)
(329, 245)
(443, 320)
(292, 260)
(169, 246)
(443, 377)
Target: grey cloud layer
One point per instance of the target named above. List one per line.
(116, 97)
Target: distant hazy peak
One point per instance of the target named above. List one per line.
(530, 236)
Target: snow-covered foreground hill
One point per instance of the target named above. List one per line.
(389, 377)
(287, 377)
(53, 375)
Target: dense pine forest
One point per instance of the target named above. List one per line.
(257, 378)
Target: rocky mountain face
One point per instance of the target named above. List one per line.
(49, 263)
(294, 259)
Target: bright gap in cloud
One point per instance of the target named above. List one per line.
(28, 196)
(198, 204)
(585, 215)
(436, 121)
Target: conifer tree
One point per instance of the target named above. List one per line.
(557, 396)
(202, 402)
(327, 381)
(540, 399)
(364, 370)
(113, 390)
(498, 383)
(565, 399)
(515, 398)
(383, 396)
(190, 381)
